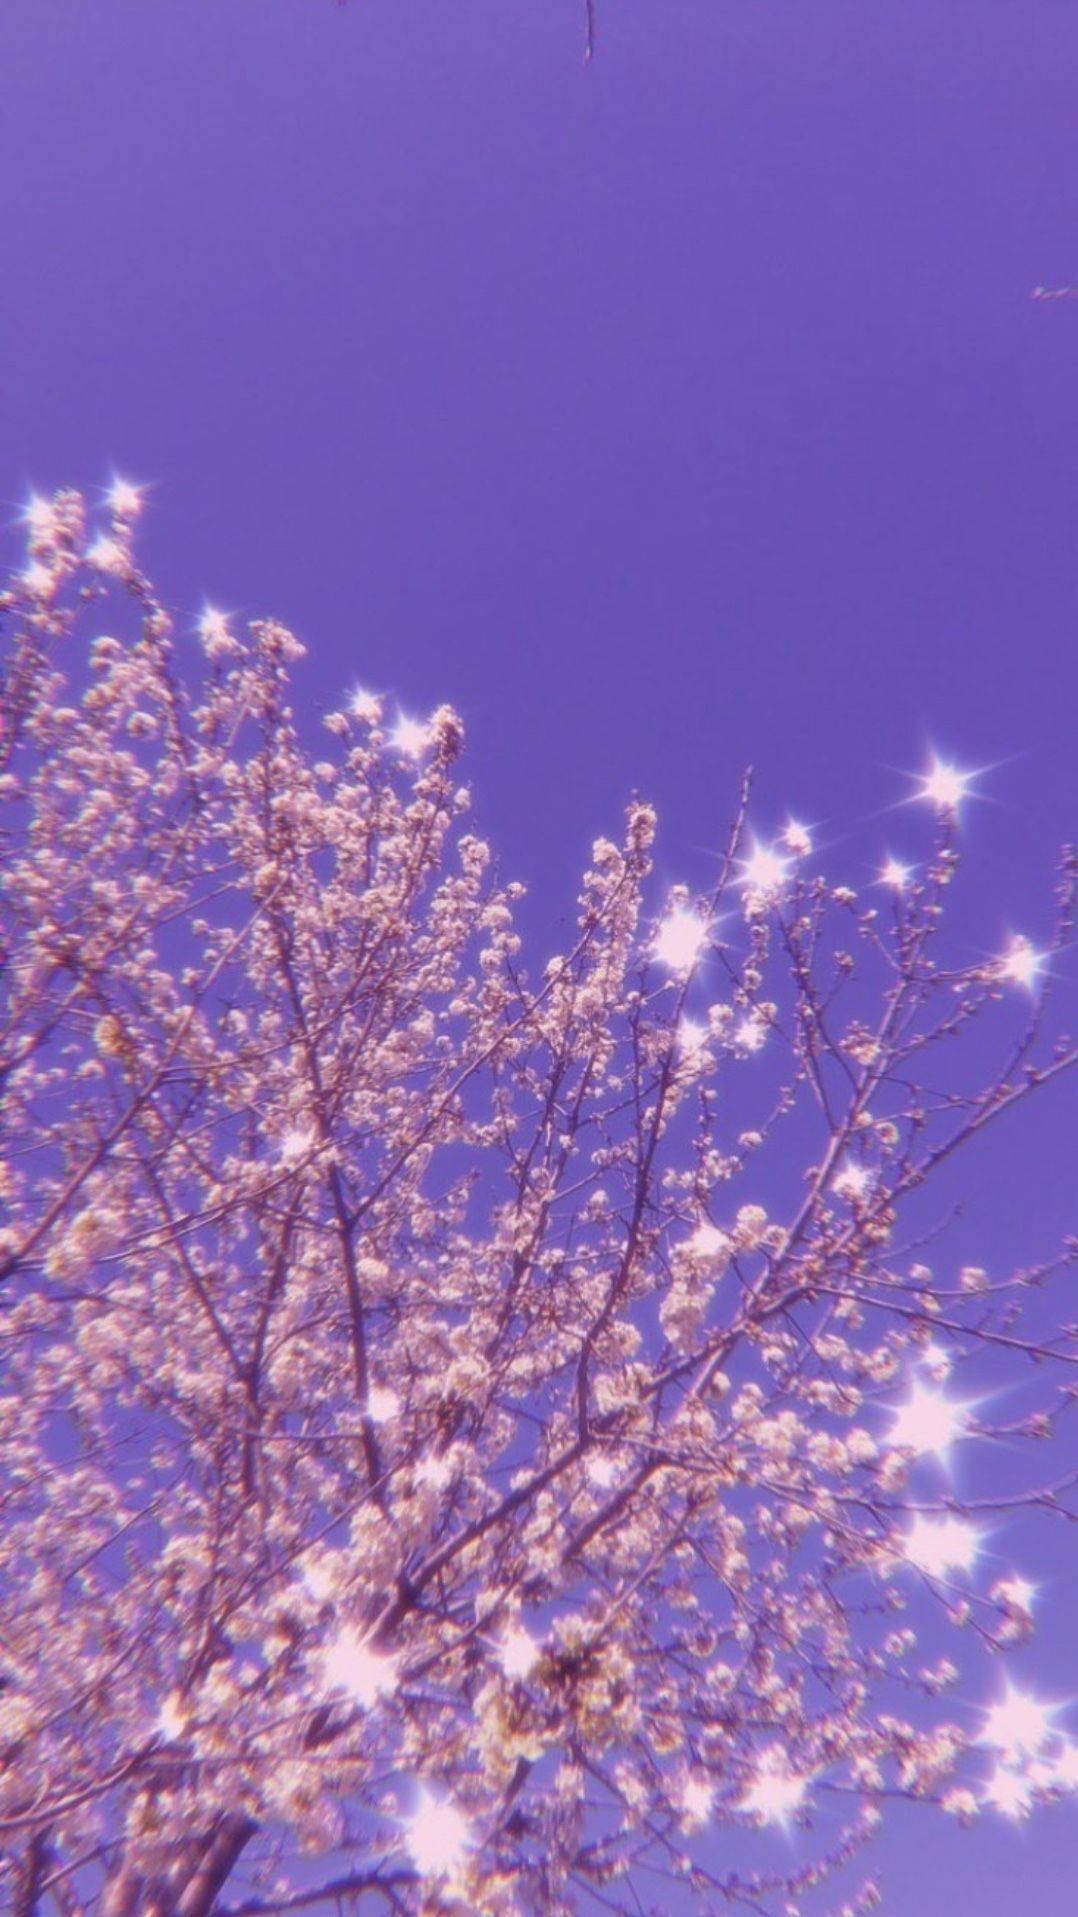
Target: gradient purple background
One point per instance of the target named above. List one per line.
(683, 411)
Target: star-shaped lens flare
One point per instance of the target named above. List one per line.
(764, 871)
(929, 1423)
(776, 1792)
(945, 785)
(1009, 1792)
(349, 1664)
(437, 1835)
(895, 873)
(1021, 964)
(1018, 1724)
(680, 939)
(853, 1181)
(939, 1545)
(39, 516)
(365, 706)
(410, 737)
(797, 839)
(124, 499)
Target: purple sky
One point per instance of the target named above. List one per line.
(686, 410)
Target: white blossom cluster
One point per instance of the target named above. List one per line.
(457, 1436)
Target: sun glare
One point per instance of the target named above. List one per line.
(381, 1404)
(1018, 1724)
(1008, 1792)
(213, 625)
(944, 785)
(39, 516)
(692, 1037)
(776, 1793)
(929, 1423)
(296, 1142)
(938, 1545)
(410, 737)
(751, 1034)
(365, 706)
(933, 1359)
(797, 839)
(437, 1835)
(853, 1182)
(106, 554)
(697, 1800)
(517, 1652)
(1021, 964)
(124, 499)
(765, 870)
(350, 1665)
(1017, 1591)
(680, 939)
(895, 873)
(172, 1717)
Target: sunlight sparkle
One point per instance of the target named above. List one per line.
(797, 839)
(437, 1835)
(776, 1792)
(365, 706)
(213, 625)
(1018, 1591)
(692, 1037)
(39, 516)
(895, 873)
(381, 1404)
(172, 1717)
(349, 1664)
(1019, 1724)
(410, 737)
(106, 555)
(938, 1545)
(1008, 1792)
(680, 939)
(944, 785)
(928, 1422)
(517, 1652)
(751, 1033)
(1021, 964)
(765, 870)
(853, 1181)
(697, 1799)
(936, 1361)
(124, 499)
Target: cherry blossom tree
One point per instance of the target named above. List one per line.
(474, 1432)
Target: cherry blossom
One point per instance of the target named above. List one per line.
(440, 1370)
(365, 706)
(797, 839)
